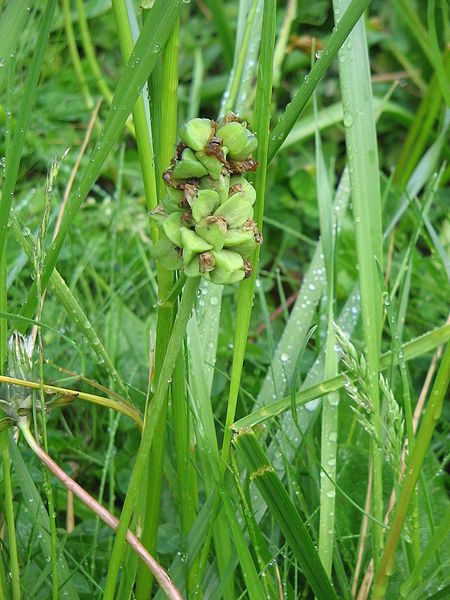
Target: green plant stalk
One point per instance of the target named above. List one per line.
(66, 298)
(38, 259)
(429, 421)
(151, 422)
(186, 475)
(168, 133)
(90, 53)
(142, 125)
(436, 53)
(415, 26)
(295, 108)
(439, 536)
(330, 403)
(412, 349)
(284, 513)
(246, 289)
(240, 59)
(74, 55)
(8, 501)
(361, 142)
(282, 41)
(419, 132)
(223, 29)
(154, 35)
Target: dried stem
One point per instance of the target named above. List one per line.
(159, 573)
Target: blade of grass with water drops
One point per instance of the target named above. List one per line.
(284, 512)
(153, 37)
(413, 349)
(362, 154)
(292, 112)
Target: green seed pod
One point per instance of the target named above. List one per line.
(202, 264)
(196, 133)
(173, 199)
(213, 230)
(241, 142)
(221, 186)
(159, 214)
(167, 254)
(192, 244)
(213, 164)
(204, 203)
(237, 276)
(240, 184)
(240, 241)
(172, 228)
(235, 211)
(228, 260)
(188, 166)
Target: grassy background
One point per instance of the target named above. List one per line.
(311, 253)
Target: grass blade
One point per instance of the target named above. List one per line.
(412, 349)
(284, 513)
(301, 98)
(153, 37)
(361, 143)
(432, 414)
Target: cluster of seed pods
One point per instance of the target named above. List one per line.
(207, 213)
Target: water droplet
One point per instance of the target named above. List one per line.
(284, 357)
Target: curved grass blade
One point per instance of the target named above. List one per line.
(296, 107)
(412, 349)
(143, 59)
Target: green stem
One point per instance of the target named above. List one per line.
(9, 515)
(90, 53)
(439, 536)
(141, 116)
(361, 143)
(240, 59)
(151, 424)
(75, 57)
(430, 419)
(168, 133)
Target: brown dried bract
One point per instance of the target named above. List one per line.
(250, 225)
(248, 268)
(231, 117)
(214, 148)
(237, 187)
(206, 262)
(242, 166)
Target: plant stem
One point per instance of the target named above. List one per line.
(69, 396)
(430, 419)
(104, 514)
(75, 57)
(361, 142)
(9, 515)
(168, 132)
(152, 421)
(141, 115)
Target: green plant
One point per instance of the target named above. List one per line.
(254, 419)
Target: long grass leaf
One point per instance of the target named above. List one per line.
(153, 37)
(306, 90)
(284, 513)
(412, 349)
